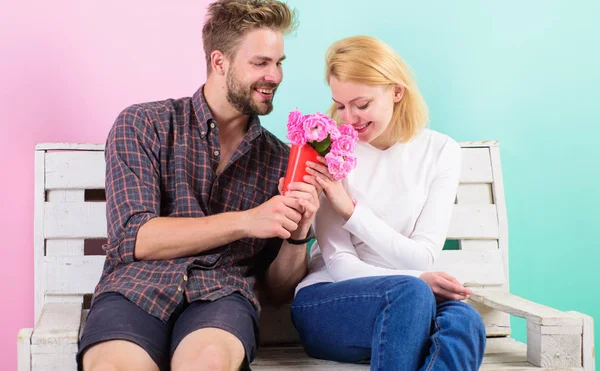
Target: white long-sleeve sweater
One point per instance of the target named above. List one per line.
(405, 197)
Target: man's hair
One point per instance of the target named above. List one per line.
(228, 20)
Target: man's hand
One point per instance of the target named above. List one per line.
(445, 287)
(308, 199)
(277, 217)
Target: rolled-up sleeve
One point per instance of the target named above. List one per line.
(132, 157)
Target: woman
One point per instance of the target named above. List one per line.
(369, 293)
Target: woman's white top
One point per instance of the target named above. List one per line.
(405, 197)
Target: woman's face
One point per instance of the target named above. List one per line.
(368, 108)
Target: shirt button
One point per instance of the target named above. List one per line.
(216, 153)
(212, 125)
(179, 289)
(185, 277)
(203, 133)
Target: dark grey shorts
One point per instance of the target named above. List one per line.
(114, 317)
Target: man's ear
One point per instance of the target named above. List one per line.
(398, 93)
(219, 62)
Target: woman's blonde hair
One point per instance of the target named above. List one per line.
(367, 60)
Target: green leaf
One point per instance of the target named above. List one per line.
(322, 146)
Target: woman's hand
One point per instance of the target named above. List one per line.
(334, 190)
(445, 287)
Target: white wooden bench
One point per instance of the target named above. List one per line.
(70, 226)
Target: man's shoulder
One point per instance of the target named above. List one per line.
(273, 144)
(156, 108)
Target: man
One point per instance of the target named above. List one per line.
(194, 215)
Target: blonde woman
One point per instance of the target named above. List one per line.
(370, 292)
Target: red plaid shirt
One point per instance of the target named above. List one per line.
(161, 160)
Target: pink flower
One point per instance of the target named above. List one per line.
(294, 121)
(343, 146)
(349, 163)
(334, 164)
(295, 128)
(297, 138)
(315, 127)
(334, 133)
(349, 131)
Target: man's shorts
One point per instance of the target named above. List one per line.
(114, 317)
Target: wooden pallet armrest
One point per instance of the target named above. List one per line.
(554, 338)
(24, 349)
(54, 339)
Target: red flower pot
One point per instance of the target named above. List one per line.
(296, 169)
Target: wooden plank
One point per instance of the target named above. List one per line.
(58, 325)
(276, 326)
(73, 275)
(75, 170)
(46, 358)
(472, 268)
(88, 220)
(478, 245)
(500, 202)
(64, 247)
(553, 350)
(478, 144)
(75, 220)
(70, 146)
(24, 349)
(476, 166)
(500, 355)
(588, 352)
(474, 194)
(473, 222)
(517, 306)
(38, 238)
(63, 195)
(497, 323)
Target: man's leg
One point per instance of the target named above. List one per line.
(209, 349)
(119, 335)
(218, 335)
(117, 355)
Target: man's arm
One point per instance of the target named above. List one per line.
(135, 228)
(286, 272)
(169, 238)
(290, 265)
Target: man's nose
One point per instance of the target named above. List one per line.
(275, 75)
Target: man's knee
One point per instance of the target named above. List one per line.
(208, 349)
(103, 366)
(117, 355)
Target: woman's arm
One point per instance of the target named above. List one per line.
(338, 252)
(419, 250)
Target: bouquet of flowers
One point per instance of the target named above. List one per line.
(318, 134)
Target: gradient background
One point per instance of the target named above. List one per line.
(524, 73)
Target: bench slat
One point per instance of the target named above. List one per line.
(476, 166)
(88, 220)
(75, 170)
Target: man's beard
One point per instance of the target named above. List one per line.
(240, 96)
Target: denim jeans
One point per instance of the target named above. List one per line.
(394, 321)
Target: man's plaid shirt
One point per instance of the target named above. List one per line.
(161, 160)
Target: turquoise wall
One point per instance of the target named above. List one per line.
(524, 73)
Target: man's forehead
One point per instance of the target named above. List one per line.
(262, 43)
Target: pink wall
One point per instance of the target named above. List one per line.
(67, 68)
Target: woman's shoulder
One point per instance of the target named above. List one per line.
(437, 142)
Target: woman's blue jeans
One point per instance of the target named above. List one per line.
(394, 321)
